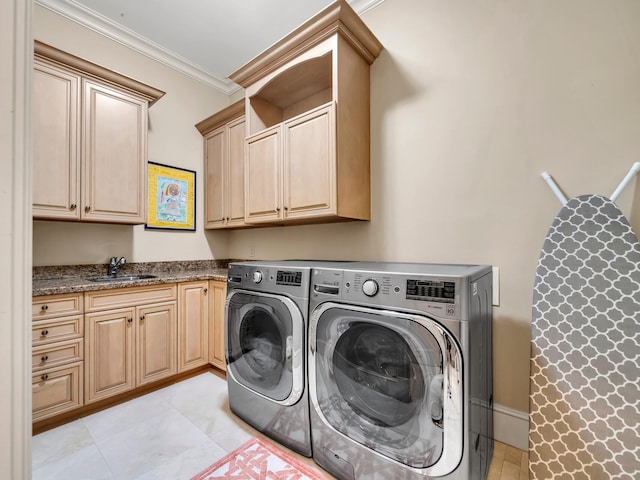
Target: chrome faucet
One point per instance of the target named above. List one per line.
(115, 264)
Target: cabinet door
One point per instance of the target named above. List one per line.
(235, 178)
(156, 342)
(214, 207)
(309, 164)
(56, 148)
(262, 176)
(193, 325)
(114, 154)
(109, 353)
(217, 299)
(56, 390)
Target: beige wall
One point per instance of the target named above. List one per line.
(173, 140)
(470, 102)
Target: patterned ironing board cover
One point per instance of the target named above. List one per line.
(585, 347)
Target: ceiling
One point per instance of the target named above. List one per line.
(206, 39)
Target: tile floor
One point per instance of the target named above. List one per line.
(170, 434)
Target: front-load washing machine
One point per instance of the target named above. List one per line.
(400, 375)
(265, 346)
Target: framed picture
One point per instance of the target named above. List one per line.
(171, 198)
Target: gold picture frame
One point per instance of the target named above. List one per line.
(171, 198)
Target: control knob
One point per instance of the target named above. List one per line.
(370, 287)
(257, 276)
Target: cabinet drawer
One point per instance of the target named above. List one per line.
(56, 390)
(57, 330)
(56, 354)
(50, 306)
(126, 297)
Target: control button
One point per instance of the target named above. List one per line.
(370, 287)
(257, 276)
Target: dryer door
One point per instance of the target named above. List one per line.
(388, 380)
(264, 345)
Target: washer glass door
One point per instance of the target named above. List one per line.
(264, 345)
(388, 380)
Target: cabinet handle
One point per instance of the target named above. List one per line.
(44, 308)
(72, 206)
(286, 208)
(130, 320)
(44, 377)
(45, 333)
(277, 209)
(205, 291)
(87, 208)
(45, 358)
(141, 317)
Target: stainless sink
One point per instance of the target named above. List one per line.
(123, 278)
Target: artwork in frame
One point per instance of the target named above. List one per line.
(171, 198)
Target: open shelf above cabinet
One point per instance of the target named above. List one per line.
(294, 91)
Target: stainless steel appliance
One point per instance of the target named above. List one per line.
(400, 375)
(266, 340)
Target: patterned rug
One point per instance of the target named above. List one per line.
(258, 460)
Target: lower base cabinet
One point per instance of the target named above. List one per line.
(129, 347)
(89, 347)
(217, 300)
(193, 325)
(56, 390)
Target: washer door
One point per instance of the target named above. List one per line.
(390, 381)
(264, 345)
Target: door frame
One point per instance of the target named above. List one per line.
(16, 54)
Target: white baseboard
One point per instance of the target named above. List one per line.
(511, 427)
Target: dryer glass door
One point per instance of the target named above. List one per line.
(383, 379)
(264, 345)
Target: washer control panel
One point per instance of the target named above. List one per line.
(429, 293)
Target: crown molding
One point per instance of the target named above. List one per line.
(104, 26)
(363, 6)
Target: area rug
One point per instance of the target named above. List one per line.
(258, 460)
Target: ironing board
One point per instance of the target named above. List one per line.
(585, 347)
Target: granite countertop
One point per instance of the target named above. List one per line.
(56, 280)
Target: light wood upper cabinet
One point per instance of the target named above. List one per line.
(217, 300)
(307, 114)
(224, 134)
(56, 146)
(90, 140)
(288, 180)
(115, 154)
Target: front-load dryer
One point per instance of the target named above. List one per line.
(266, 316)
(400, 371)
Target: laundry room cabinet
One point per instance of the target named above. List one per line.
(193, 325)
(89, 140)
(130, 339)
(307, 111)
(223, 135)
(57, 354)
(286, 180)
(217, 300)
